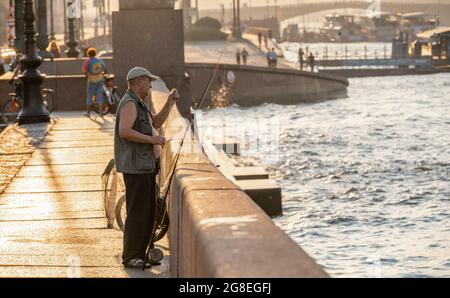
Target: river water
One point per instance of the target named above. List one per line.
(365, 179)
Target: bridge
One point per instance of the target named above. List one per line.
(285, 12)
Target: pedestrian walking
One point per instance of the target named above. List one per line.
(238, 56)
(94, 69)
(311, 61)
(260, 39)
(273, 57)
(301, 58)
(269, 58)
(244, 56)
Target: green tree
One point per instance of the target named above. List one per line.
(208, 22)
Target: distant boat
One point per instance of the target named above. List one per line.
(343, 28)
(434, 43)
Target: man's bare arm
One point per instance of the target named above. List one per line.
(161, 117)
(128, 116)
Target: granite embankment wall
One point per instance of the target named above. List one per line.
(216, 230)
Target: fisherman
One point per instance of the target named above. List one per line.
(135, 141)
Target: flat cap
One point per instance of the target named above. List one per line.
(137, 72)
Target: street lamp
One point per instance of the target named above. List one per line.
(103, 15)
(72, 43)
(65, 20)
(238, 19)
(52, 22)
(234, 32)
(33, 110)
(196, 10)
(19, 44)
(109, 17)
(81, 21)
(42, 28)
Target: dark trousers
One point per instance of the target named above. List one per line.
(141, 205)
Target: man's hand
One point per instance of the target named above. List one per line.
(159, 140)
(11, 81)
(174, 95)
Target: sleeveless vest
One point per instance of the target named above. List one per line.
(132, 157)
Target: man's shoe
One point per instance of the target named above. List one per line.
(136, 264)
(87, 115)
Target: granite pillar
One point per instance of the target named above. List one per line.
(150, 34)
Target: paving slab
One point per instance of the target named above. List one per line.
(79, 156)
(76, 144)
(52, 216)
(62, 170)
(55, 199)
(55, 184)
(84, 272)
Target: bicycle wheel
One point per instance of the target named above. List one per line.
(103, 110)
(47, 99)
(11, 110)
(161, 220)
(121, 212)
(109, 186)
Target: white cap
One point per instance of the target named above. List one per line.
(137, 72)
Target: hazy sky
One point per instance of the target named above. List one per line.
(211, 4)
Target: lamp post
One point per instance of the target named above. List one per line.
(196, 10)
(276, 8)
(72, 43)
(52, 22)
(42, 28)
(10, 23)
(234, 19)
(109, 17)
(103, 15)
(238, 20)
(33, 110)
(65, 20)
(19, 43)
(81, 20)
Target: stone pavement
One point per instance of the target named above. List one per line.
(52, 215)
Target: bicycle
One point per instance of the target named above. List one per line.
(161, 219)
(110, 97)
(12, 107)
(111, 189)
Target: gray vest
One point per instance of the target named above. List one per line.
(131, 157)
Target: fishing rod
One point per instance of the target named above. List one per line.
(155, 254)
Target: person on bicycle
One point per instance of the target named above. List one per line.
(135, 140)
(18, 69)
(94, 68)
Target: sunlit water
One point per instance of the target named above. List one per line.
(365, 179)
